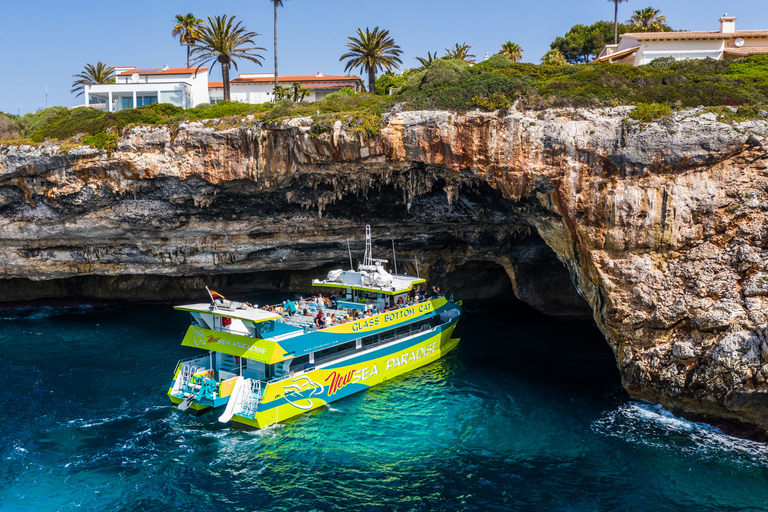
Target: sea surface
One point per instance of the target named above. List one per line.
(527, 414)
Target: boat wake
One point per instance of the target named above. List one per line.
(656, 427)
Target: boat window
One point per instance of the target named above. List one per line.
(370, 340)
(335, 352)
(299, 363)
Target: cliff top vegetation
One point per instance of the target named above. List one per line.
(452, 85)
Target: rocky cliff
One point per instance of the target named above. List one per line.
(661, 228)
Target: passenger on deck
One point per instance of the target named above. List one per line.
(292, 307)
(374, 310)
(434, 291)
(306, 313)
(319, 321)
(333, 319)
(400, 301)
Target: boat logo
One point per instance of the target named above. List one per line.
(198, 338)
(297, 389)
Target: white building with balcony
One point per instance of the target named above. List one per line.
(640, 48)
(259, 87)
(183, 87)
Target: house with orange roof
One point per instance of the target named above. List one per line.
(133, 87)
(640, 48)
(259, 87)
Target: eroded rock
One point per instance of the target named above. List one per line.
(661, 228)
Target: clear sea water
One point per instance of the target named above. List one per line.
(527, 414)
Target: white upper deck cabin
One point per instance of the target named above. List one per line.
(371, 284)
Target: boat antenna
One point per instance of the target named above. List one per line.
(368, 257)
(394, 256)
(351, 266)
(417, 267)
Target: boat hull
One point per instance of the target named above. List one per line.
(316, 388)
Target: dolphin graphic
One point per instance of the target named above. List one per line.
(298, 387)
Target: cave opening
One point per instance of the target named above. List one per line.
(530, 323)
(504, 335)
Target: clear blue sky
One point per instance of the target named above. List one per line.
(46, 42)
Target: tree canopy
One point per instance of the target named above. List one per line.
(583, 43)
(224, 42)
(512, 51)
(460, 52)
(98, 74)
(187, 29)
(372, 51)
(648, 20)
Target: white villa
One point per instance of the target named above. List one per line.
(183, 87)
(189, 87)
(258, 87)
(640, 48)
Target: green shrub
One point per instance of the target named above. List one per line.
(346, 91)
(647, 112)
(497, 61)
(495, 102)
(10, 126)
(102, 140)
(162, 109)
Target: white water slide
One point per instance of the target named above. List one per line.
(235, 403)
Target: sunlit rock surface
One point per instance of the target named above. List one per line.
(660, 230)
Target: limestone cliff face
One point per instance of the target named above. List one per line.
(663, 228)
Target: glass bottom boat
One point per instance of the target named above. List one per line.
(266, 365)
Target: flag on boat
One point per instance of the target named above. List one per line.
(214, 295)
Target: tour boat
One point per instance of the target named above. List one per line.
(263, 366)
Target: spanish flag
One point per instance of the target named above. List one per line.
(214, 295)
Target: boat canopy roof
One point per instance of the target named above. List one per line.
(232, 310)
(389, 284)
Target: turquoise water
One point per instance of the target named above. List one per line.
(527, 414)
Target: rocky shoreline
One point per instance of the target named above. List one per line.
(659, 231)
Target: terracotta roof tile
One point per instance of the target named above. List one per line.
(296, 78)
(669, 36)
(161, 71)
(747, 50)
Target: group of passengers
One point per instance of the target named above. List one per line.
(313, 303)
(308, 306)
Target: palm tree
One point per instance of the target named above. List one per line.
(101, 74)
(428, 61)
(460, 52)
(187, 29)
(221, 41)
(554, 57)
(616, 19)
(372, 51)
(648, 20)
(278, 3)
(512, 51)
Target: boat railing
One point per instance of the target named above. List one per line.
(252, 398)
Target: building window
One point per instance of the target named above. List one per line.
(145, 100)
(172, 97)
(126, 103)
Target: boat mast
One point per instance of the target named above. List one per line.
(368, 257)
(394, 256)
(351, 266)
